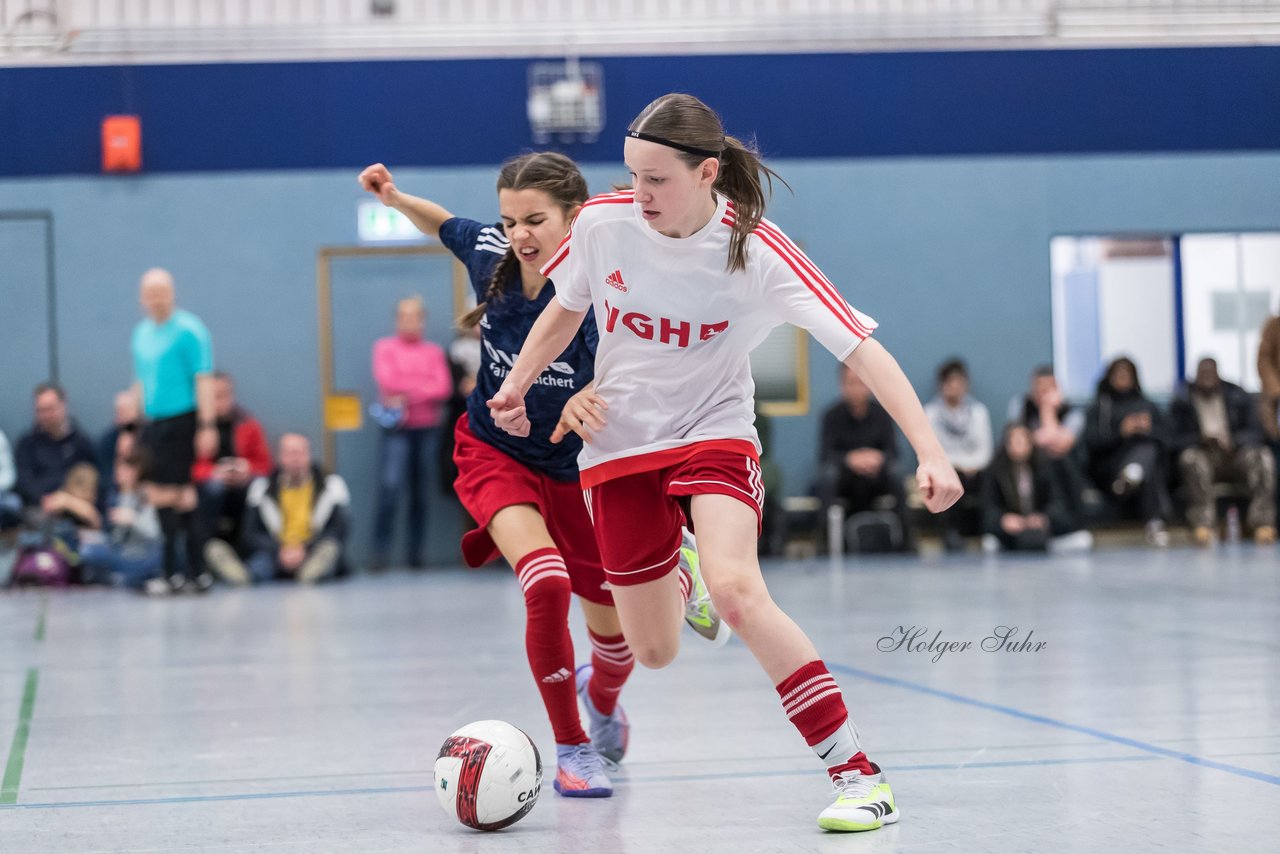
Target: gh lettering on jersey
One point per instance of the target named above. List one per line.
(664, 330)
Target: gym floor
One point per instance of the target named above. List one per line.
(280, 719)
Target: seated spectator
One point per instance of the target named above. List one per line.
(10, 501)
(120, 439)
(963, 427)
(1217, 438)
(132, 552)
(222, 481)
(858, 449)
(51, 449)
(1127, 440)
(1055, 430)
(295, 525)
(1021, 507)
(69, 519)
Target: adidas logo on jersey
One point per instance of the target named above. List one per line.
(614, 280)
(561, 675)
(664, 329)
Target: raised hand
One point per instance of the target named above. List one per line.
(377, 180)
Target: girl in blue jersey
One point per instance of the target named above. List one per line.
(524, 493)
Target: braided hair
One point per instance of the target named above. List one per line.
(553, 174)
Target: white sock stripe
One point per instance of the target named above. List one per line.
(787, 697)
(827, 693)
(551, 573)
(540, 564)
(552, 557)
(615, 659)
(800, 698)
(611, 647)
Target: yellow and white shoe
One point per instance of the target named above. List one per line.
(699, 613)
(863, 802)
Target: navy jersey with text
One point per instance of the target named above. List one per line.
(503, 329)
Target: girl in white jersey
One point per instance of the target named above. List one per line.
(686, 278)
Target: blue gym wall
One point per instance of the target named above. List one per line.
(948, 247)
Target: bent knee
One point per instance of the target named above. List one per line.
(738, 599)
(655, 656)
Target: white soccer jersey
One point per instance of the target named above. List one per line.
(676, 328)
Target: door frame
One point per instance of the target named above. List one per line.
(51, 290)
(324, 311)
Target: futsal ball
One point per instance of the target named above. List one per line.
(488, 775)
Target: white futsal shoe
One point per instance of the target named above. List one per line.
(699, 613)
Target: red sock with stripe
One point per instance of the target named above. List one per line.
(686, 583)
(611, 664)
(545, 582)
(812, 700)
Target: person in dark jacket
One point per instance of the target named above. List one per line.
(1022, 505)
(1056, 430)
(857, 452)
(46, 454)
(295, 523)
(1128, 439)
(118, 441)
(1217, 437)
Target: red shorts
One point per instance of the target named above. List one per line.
(489, 480)
(637, 517)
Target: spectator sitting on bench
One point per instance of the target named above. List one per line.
(1056, 427)
(295, 525)
(858, 449)
(222, 481)
(1022, 509)
(963, 427)
(1127, 439)
(1218, 439)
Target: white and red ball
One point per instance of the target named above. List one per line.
(488, 775)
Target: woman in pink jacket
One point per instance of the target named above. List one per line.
(413, 386)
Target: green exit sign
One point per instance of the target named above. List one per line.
(378, 224)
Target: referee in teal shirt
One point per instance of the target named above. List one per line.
(173, 364)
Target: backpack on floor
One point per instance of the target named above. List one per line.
(873, 531)
(41, 567)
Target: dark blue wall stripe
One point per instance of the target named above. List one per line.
(458, 112)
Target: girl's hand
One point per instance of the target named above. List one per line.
(939, 484)
(508, 412)
(377, 180)
(583, 413)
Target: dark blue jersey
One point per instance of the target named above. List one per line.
(503, 329)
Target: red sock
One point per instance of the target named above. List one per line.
(611, 664)
(812, 700)
(545, 582)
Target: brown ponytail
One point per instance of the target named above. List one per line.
(743, 177)
(553, 174)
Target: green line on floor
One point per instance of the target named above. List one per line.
(44, 607)
(18, 750)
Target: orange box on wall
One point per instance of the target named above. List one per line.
(121, 144)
